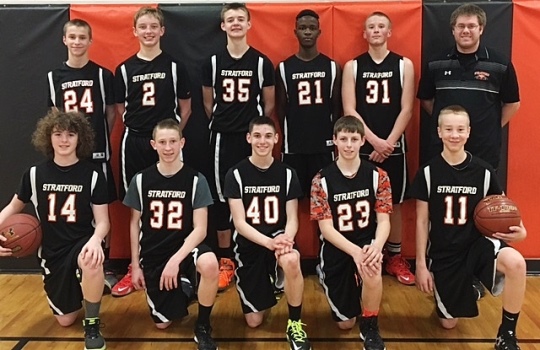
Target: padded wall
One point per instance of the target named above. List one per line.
(192, 33)
(31, 43)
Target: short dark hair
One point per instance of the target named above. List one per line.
(307, 12)
(235, 6)
(76, 22)
(349, 123)
(168, 123)
(468, 9)
(75, 122)
(261, 121)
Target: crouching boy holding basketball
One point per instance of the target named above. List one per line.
(70, 198)
(447, 190)
(169, 208)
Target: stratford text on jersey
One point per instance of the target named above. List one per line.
(76, 83)
(236, 73)
(377, 75)
(166, 194)
(457, 189)
(308, 75)
(62, 188)
(149, 76)
(351, 195)
(261, 189)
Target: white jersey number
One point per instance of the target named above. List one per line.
(271, 210)
(449, 216)
(377, 91)
(304, 92)
(149, 94)
(72, 103)
(345, 214)
(174, 215)
(238, 89)
(68, 210)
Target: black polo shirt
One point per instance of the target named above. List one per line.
(480, 82)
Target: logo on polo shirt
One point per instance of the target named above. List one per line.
(479, 75)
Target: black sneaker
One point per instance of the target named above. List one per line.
(369, 332)
(296, 336)
(506, 341)
(93, 340)
(479, 289)
(203, 338)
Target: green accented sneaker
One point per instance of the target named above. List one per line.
(296, 336)
(93, 340)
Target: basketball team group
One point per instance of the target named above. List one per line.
(343, 158)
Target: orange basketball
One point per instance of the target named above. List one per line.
(496, 213)
(23, 233)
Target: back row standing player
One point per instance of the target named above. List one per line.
(150, 86)
(238, 85)
(378, 88)
(308, 98)
(82, 85)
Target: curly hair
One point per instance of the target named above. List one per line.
(60, 121)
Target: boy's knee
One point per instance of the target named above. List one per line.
(163, 325)
(346, 325)
(208, 267)
(290, 262)
(448, 323)
(254, 320)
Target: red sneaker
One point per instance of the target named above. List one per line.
(226, 273)
(124, 286)
(399, 267)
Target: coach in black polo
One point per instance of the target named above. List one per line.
(471, 75)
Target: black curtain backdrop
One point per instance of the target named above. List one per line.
(31, 41)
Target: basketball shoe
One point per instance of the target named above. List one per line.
(479, 289)
(124, 286)
(203, 337)
(506, 341)
(400, 268)
(109, 282)
(93, 340)
(296, 336)
(369, 332)
(226, 273)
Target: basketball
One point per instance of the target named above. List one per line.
(23, 233)
(496, 213)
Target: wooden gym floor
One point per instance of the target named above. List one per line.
(407, 322)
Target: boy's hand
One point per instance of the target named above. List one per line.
(518, 234)
(169, 276)
(4, 251)
(92, 253)
(137, 277)
(424, 279)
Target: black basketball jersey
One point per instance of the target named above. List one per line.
(150, 90)
(264, 193)
(378, 95)
(452, 193)
(308, 113)
(89, 90)
(237, 85)
(353, 202)
(63, 199)
(166, 205)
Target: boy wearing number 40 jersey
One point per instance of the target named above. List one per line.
(352, 201)
(263, 195)
(169, 208)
